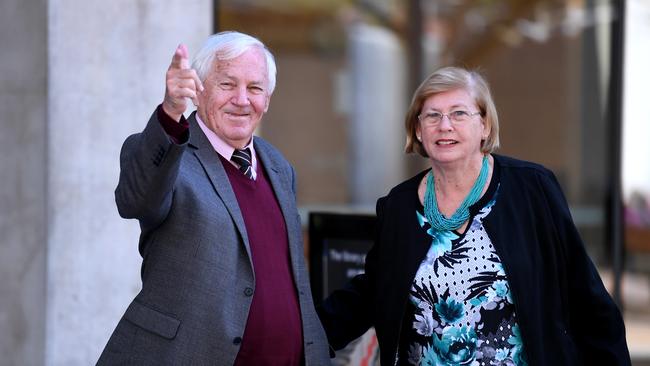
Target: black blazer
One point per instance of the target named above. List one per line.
(565, 314)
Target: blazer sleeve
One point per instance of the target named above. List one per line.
(347, 313)
(595, 322)
(149, 164)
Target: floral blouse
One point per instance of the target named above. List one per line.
(461, 310)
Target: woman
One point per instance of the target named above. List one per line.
(476, 260)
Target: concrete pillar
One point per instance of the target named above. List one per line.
(23, 168)
(80, 77)
(378, 93)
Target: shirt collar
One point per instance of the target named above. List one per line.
(225, 150)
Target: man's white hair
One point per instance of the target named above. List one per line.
(226, 46)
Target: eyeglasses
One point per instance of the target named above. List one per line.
(457, 117)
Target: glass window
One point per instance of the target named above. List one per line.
(341, 93)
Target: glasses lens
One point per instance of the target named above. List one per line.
(459, 116)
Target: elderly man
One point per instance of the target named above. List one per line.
(223, 273)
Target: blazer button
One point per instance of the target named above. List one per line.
(248, 291)
(236, 340)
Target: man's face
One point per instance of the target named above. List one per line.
(236, 96)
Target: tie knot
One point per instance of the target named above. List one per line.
(243, 159)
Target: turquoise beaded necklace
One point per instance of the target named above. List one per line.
(432, 212)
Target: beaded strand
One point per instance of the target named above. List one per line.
(432, 212)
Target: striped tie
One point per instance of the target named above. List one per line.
(243, 159)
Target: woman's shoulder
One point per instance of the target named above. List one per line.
(510, 165)
(514, 163)
(529, 177)
(402, 197)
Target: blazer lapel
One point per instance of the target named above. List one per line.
(209, 159)
(281, 185)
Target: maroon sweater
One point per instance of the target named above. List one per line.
(273, 334)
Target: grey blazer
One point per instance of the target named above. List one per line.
(197, 272)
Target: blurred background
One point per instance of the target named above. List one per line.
(569, 78)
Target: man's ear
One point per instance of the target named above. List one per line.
(267, 102)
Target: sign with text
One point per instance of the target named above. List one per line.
(338, 244)
(342, 260)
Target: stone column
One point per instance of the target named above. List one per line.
(23, 168)
(378, 105)
(80, 77)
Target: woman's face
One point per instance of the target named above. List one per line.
(457, 135)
